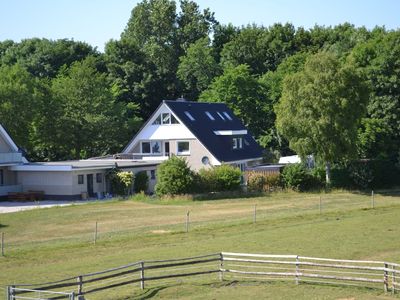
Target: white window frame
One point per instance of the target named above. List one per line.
(185, 152)
(141, 147)
(237, 143)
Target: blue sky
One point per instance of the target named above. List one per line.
(97, 21)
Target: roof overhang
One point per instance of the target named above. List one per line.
(230, 132)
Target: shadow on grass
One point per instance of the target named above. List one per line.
(149, 293)
(3, 226)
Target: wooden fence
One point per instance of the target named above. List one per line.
(228, 265)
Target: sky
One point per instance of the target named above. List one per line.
(98, 21)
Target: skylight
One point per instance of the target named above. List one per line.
(189, 116)
(221, 116)
(210, 116)
(227, 116)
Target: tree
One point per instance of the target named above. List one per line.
(321, 107)
(242, 93)
(88, 122)
(197, 68)
(20, 98)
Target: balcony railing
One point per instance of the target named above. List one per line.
(14, 157)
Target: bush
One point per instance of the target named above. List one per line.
(174, 177)
(121, 181)
(141, 183)
(298, 178)
(256, 182)
(273, 182)
(218, 179)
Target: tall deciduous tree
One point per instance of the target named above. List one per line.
(242, 92)
(197, 68)
(89, 122)
(321, 107)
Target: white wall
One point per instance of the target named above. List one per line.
(51, 183)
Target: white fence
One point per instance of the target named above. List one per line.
(228, 265)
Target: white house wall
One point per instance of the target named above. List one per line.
(51, 183)
(4, 146)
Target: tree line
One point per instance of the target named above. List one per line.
(63, 99)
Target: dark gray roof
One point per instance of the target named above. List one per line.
(203, 128)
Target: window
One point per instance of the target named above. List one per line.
(152, 174)
(157, 121)
(189, 116)
(227, 116)
(99, 177)
(156, 147)
(166, 118)
(146, 147)
(80, 179)
(174, 120)
(183, 148)
(210, 116)
(237, 143)
(221, 116)
(1, 177)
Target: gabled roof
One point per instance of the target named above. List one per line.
(208, 131)
(8, 139)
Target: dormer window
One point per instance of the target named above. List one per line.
(210, 116)
(165, 119)
(237, 143)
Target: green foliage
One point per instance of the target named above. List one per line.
(298, 178)
(197, 68)
(243, 94)
(218, 179)
(86, 120)
(141, 183)
(321, 108)
(174, 177)
(121, 182)
(256, 182)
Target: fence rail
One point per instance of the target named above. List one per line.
(226, 264)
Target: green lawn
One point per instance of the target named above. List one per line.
(50, 244)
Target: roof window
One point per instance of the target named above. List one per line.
(210, 116)
(189, 116)
(220, 115)
(227, 116)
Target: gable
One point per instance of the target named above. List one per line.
(151, 131)
(6, 143)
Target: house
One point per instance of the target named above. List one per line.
(205, 134)
(10, 155)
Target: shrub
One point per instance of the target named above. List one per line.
(273, 182)
(227, 178)
(218, 179)
(174, 177)
(256, 182)
(298, 178)
(121, 181)
(141, 183)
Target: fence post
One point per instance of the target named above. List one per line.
(142, 275)
(297, 269)
(320, 204)
(393, 279)
(221, 267)
(95, 234)
(187, 221)
(80, 285)
(2, 244)
(372, 199)
(8, 293)
(385, 278)
(72, 296)
(255, 214)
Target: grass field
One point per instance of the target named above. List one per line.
(50, 244)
